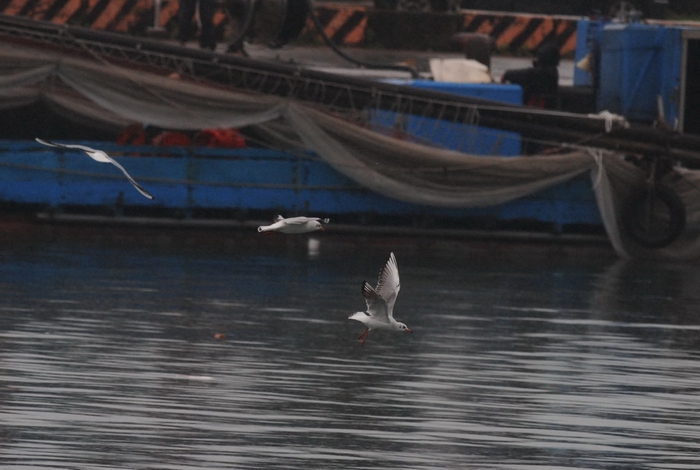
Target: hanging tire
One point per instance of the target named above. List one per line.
(654, 218)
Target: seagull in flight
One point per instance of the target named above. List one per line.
(98, 156)
(294, 225)
(380, 302)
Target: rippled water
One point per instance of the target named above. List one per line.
(522, 357)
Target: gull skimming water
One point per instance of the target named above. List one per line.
(380, 302)
(98, 156)
(294, 225)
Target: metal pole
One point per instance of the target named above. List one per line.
(156, 28)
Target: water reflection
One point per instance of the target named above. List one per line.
(521, 357)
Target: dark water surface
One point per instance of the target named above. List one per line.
(522, 356)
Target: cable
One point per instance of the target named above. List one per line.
(332, 45)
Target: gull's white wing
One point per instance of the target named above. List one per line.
(100, 156)
(128, 176)
(376, 306)
(50, 144)
(97, 155)
(270, 228)
(388, 284)
(302, 220)
(84, 148)
(298, 220)
(276, 226)
(45, 142)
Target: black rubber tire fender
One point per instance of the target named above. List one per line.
(667, 209)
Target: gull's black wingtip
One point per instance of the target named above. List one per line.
(143, 192)
(368, 291)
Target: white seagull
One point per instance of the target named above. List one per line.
(294, 225)
(380, 302)
(98, 156)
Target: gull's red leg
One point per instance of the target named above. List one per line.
(363, 336)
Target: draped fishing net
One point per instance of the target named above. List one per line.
(400, 169)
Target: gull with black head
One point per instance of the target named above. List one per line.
(380, 302)
(294, 225)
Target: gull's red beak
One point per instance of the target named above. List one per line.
(408, 330)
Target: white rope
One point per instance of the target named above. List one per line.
(611, 119)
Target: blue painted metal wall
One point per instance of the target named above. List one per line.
(474, 139)
(637, 63)
(249, 179)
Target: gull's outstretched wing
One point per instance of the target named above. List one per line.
(50, 144)
(298, 220)
(376, 306)
(99, 156)
(131, 180)
(90, 151)
(388, 284)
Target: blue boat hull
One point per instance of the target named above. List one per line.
(250, 181)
